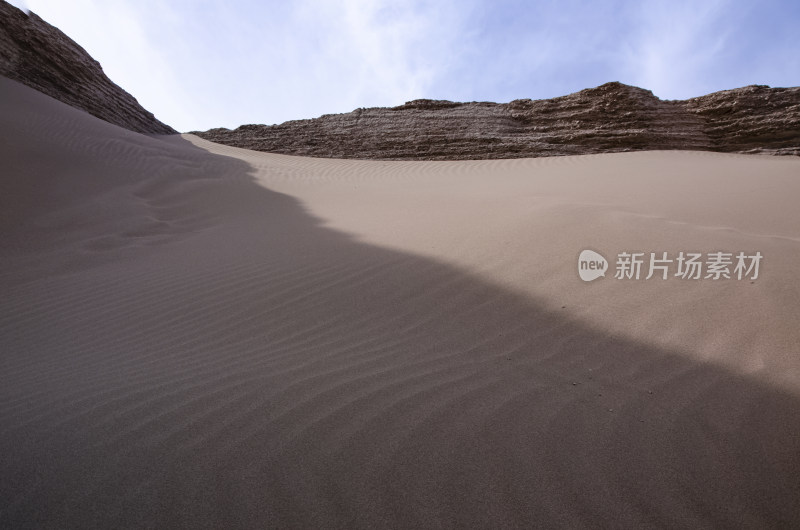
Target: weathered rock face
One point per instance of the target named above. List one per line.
(39, 55)
(754, 118)
(612, 117)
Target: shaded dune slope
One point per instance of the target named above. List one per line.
(182, 347)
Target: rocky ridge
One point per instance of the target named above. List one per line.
(42, 57)
(609, 118)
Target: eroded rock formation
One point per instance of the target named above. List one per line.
(612, 117)
(39, 55)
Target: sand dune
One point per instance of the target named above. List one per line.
(198, 336)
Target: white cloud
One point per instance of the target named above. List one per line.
(374, 52)
(675, 44)
(200, 65)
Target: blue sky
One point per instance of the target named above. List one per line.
(199, 64)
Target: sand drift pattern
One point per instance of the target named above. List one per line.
(211, 354)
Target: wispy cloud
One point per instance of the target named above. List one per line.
(247, 63)
(372, 52)
(675, 44)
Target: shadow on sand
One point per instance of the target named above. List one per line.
(294, 377)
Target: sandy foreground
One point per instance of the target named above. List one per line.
(199, 336)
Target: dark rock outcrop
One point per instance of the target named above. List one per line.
(612, 117)
(39, 55)
(754, 118)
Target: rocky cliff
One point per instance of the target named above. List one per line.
(39, 55)
(612, 117)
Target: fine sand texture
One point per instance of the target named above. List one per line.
(200, 336)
